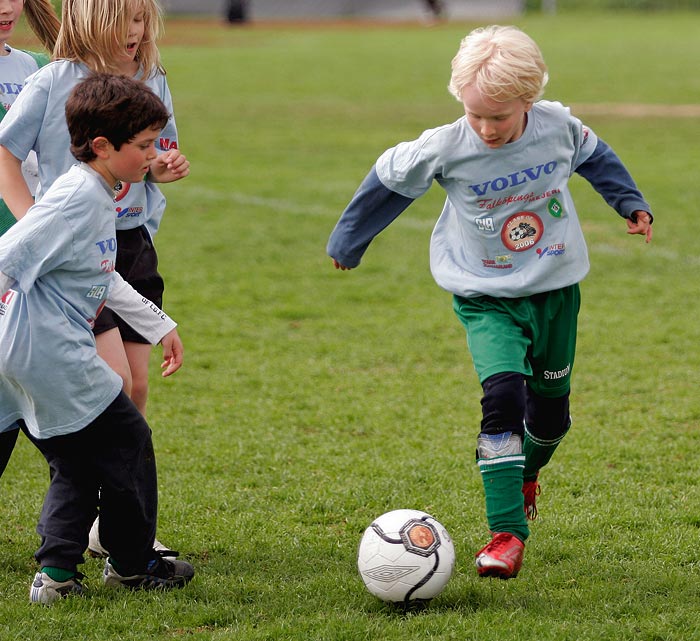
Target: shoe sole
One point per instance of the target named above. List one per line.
(154, 583)
(496, 573)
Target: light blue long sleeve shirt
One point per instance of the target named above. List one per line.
(509, 227)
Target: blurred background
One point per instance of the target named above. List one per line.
(248, 10)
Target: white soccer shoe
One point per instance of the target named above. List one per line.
(45, 590)
(96, 550)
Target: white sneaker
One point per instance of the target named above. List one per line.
(165, 551)
(45, 590)
(96, 550)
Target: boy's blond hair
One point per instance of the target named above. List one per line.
(503, 63)
(94, 32)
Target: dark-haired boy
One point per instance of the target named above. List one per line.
(56, 274)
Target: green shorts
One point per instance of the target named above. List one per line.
(534, 335)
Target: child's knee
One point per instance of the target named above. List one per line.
(547, 418)
(503, 403)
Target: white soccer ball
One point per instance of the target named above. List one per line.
(405, 556)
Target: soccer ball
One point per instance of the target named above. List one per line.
(405, 556)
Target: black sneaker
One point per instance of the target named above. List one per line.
(161, 574)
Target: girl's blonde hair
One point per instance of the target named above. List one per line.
(95, 32)
(503, 63)
(43, 21)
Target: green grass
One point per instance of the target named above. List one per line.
(312, 400)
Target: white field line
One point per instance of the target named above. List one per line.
(285, 206)
(282, 205)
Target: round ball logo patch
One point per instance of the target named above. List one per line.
(522, 231)
(419, 537)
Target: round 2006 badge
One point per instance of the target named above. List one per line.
(522, 231)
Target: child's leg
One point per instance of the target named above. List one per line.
(500, 458)
(547, 418)
(547, 421)
(128, 486)
(499, 340)
(499, 348)
(500, 455)
(114, 453)
(137, 262)
(70, 504)
(139, 356)
(110, 348)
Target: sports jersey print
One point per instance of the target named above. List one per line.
(508, 227)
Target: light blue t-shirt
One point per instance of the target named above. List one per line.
(509, 227)
(37, 121)
(62, 255)
(15, 67)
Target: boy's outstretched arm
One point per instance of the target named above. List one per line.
(372, 208)
(610, 178)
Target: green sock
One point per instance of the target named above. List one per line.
(537, 453)
(503, 490)
(58, 574)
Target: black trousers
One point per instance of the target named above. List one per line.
(7, 445)
(107, 467)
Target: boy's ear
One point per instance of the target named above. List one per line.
(101, 146)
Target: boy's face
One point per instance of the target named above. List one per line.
(496, 123)
(132, 161)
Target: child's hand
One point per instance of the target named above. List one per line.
(173, 353)
(338, 265)
(169, 167)
(640, 224)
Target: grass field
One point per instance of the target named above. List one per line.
(312, 400)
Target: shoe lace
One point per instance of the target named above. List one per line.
(160, 567)
(531, 490)
(501, 541)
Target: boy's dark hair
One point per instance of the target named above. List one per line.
(115, 107)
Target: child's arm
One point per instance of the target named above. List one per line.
(640, 223)
(610, 178)
(168, 167)
(13, 187)
(148, 320)
(173, 353)
(372, 209)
